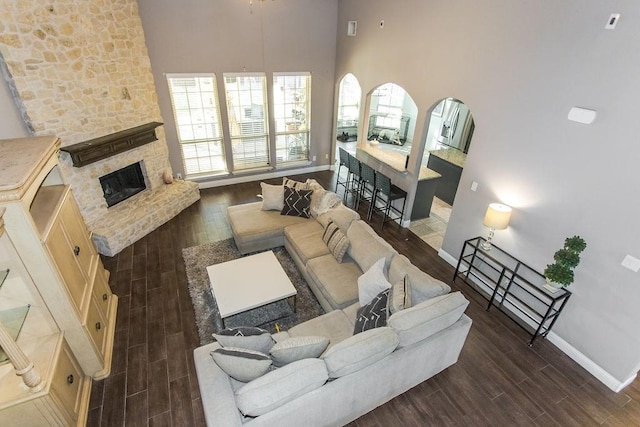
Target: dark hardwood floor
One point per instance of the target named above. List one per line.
(498, 380)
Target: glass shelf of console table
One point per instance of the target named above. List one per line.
(12, 319)
(512, 286)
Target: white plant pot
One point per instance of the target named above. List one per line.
(552, 287)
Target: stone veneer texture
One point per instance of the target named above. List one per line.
(79, 69)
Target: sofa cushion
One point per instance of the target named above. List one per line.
(248, 337)
(272, 197)
(334, 325)
(249, 223)
(423, 286)
(351, 312)
(372, 282)
(280, 386)
(240, 363)
(335, 240)
(400, 295)
(296, 202)
(297, 348)
(374, 314)
(360, 351)
(367, 247)
(427, 318)
(337, 281)
(306, 240)
(341, 215)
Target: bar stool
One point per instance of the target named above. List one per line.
(367, 187)
(387, 193)
(353, 179)
(344, 161)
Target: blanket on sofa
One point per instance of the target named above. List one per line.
(208, 320)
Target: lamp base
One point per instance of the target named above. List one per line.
(486, 245)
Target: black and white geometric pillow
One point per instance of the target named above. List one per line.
(374, 314)
(296, 202)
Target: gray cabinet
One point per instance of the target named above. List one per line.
(448, 184)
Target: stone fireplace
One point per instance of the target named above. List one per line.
(117, 180)
(119, 185)
(79, 70)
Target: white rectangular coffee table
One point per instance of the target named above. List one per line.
(249, 282)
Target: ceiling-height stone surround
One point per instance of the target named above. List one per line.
(79, 69)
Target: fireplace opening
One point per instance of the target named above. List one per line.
(122, 184)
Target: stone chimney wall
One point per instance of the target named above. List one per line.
(79, 69)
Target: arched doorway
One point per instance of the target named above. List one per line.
(349, 96)
(449, 135)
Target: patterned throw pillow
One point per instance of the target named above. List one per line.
(372, 315)
(335, 240)
(296, 202)
(295, 184)
(400, 295)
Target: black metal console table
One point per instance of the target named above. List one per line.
(512, 286)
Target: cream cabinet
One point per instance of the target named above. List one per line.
(41, 381)
(48, 232)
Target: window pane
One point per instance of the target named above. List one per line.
(291, 109)
(246, 106)
(197, 115)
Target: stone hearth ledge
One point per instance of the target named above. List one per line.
(134, 218)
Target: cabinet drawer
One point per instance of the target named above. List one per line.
(96, 326)
(102, 292)
(66, 383)
(78, 236)
(59, 248)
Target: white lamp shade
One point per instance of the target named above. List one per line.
(497, 216)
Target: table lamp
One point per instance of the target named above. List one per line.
(496, 218)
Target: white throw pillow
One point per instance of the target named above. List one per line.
(372, 282)
(297, 348)
(242, 364)
(272, 197)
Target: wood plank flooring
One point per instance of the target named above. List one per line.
(498, 380)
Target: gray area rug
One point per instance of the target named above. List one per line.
(208, 320)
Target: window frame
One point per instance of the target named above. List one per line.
(198, 144)
(239, 116)
(293, 137)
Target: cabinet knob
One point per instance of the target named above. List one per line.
(98, 326)
(70, 379)
(76, 250)
(105, 297)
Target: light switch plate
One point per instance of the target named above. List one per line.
(632, 263)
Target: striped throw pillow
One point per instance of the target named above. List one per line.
(335, 240)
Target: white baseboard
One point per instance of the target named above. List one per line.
(593, 368)
(238, 179)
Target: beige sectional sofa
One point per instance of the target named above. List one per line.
(356, 373)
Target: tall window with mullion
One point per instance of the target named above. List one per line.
(197, 114)
(247, 108)
(291, 108)
(390, 102)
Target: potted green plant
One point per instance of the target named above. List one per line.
(560, 273)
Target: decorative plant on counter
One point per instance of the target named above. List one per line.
(560, 273)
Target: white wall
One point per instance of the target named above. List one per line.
(519, 67)
(204, 36)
